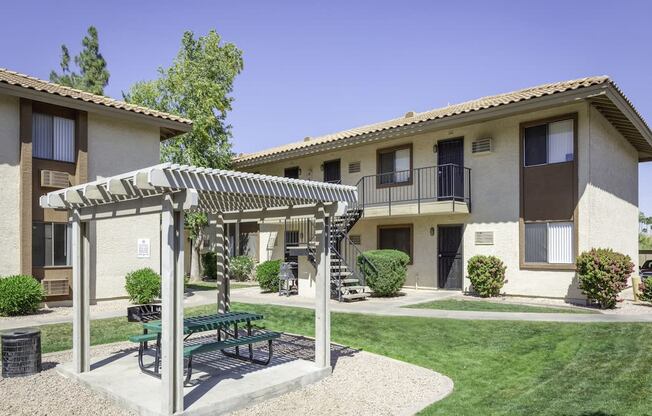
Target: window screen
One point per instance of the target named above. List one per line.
(51, 244)
(549, 143)
(549, 242)
(394, 166)
(395, 238)
(536, 243)
(53, 137)
(536, 148)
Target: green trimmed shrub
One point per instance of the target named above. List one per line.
(241, 267)
(487, 275)
(603, 274)
(267, 275)
(388, 273)
(645, 290)
(209, 264)
(20, 295)
(143, 286)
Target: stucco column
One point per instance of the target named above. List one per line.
(81, 334)
(322, 291)
(172, 239)
(220, 251)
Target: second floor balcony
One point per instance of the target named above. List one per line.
(442, 189)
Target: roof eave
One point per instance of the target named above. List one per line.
(485, 114)
(169, 128)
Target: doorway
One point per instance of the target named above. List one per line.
(449, 257)
(450, 169)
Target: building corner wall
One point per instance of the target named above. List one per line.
(610, 209)
(10, 177)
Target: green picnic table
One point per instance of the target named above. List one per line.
(222, 323)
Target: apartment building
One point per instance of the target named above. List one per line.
(534, 177)
(52, 137)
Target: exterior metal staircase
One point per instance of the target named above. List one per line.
(347, 276)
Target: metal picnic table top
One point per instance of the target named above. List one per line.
(208, 322)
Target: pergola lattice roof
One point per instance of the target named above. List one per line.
(207, 190)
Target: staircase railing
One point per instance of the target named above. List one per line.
(349, 253)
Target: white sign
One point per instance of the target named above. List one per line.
(143, 248)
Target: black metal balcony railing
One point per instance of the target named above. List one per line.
(430, 184)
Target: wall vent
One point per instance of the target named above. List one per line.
(484, 238)
(54, 179)
(55, 287)
(484, 145)
(354, 167)
(356, 239)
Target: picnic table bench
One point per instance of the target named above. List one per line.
(219, 322)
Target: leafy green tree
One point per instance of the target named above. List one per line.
(93, 75)
(198, 86)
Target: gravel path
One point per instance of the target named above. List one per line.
(361, 384)
(50, 394)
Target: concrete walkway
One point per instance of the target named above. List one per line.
(372, 306)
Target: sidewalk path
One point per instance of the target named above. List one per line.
(372, 306)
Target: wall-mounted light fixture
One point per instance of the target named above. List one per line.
(434, 148)
(432, 231)
(321, 167)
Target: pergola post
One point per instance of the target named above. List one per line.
(81, 337)
(172, 307)
(220, 251)
(322, 290)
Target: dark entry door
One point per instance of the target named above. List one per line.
(450, 169)
(449, 256)
(332, 173)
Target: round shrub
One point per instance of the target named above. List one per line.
(645, 290)
(20, 295)
(487, 275)
(240, 267)
(267, 275)
(209, 265)
(385, 270)
(143, 286)
(603, 274)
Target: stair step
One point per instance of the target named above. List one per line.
(356, 288)
(345, 273)
(350, 280)
(353, 296)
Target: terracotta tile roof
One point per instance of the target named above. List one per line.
(439, 113)
(25, 81)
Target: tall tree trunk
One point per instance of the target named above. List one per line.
(195, 259)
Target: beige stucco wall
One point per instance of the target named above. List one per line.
(607, 175)
(114, 147)
(10, 185)
(612, 214)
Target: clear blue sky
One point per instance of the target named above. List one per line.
(317, 67)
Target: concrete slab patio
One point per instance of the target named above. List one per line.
(219, 384)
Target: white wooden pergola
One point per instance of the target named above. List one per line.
(226, 196)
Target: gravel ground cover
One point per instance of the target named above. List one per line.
(361, 384)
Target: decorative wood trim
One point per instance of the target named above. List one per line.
(394, 149)
(390, 226)
(521, 166)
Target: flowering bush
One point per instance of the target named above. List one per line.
(487, 275)
(603, 274)
(645, 290)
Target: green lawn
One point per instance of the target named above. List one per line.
(483, 305)
(200, 286)
(499, 367)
